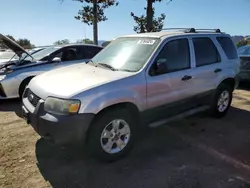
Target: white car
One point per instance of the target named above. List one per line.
(15, 75)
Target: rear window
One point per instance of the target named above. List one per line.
(228, 47)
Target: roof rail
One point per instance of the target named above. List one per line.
(193, 30)
(180, 29)
(213, 30)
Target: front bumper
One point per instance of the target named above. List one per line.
(59, 129)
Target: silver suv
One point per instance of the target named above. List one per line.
(138, 80)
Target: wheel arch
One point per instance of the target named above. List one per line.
(22, 84)
(230, 82)
(132, 109)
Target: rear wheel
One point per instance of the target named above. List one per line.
(111, 135)
(222, 101)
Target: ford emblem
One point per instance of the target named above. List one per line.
(31, 97)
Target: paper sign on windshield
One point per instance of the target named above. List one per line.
(149, 42)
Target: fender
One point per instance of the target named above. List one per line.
(104, 100)
(228, 73)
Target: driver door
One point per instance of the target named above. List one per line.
(168, 88)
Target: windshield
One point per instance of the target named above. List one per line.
(40, 54)
(127, 53)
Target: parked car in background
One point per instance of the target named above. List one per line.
(15, 75)
(244, 54)
(138, 80)
(16, 59)
(5, 56)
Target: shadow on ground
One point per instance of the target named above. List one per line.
(159, 159)
(12, 105)
(244, 86)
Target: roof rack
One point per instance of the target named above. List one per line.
(193, 30)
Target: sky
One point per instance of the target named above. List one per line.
(45, 21)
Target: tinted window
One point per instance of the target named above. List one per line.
(175, 55)
(228, 47)
(205, 51)
(88, 52)
(69, 53)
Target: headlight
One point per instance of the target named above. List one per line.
(2, 77)
(61, 106)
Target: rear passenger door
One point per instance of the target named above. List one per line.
(208, 66)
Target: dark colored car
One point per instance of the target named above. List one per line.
(244, 54)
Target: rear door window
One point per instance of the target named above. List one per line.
(88, 52)
(206, 52)
(228, 47)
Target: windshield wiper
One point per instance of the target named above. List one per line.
(127, 70)
(89, 61)
(108, 66)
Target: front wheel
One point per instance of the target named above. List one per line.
(222, 101)
(111, 135)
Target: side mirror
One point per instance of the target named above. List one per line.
(56, 59)
(160, 66)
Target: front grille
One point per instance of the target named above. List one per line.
(33, 98)
(2, 94)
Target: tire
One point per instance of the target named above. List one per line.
(219, 111)
(98, 146)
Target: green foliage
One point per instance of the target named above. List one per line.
(86, 14)
(11, 37)
(242, 43)
(105, 43)
(25, 43)
(141, 23)
(149, 23)
(88, 41)
(62, 42)
(85, 41)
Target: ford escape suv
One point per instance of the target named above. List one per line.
(137, 80)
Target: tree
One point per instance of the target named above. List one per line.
(241, 43)
(104, 44)
(62, 42)
(141, 23)
(11, 37)
(25, 43)
(85, 41)
(93, 12)
(149, 23)
(4, 46)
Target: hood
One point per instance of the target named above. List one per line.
(71, 80)
(12, 45)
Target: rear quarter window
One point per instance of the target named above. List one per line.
(228, 47)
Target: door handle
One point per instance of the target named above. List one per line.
(186, 77)
(217, 70)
